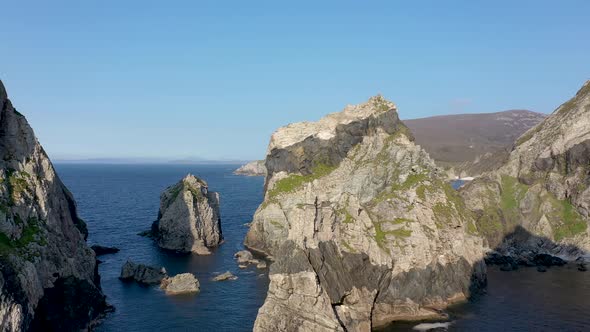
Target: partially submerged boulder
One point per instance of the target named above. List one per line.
(225, 276)
(143, 274)
(188, 220)
(102, 250)
(185, 283)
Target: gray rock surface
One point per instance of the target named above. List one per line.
(253, 168)
(361, 225)
(143, 274)
(188, 220)
(185, 283)
(538, 201)
(225, 276)
(46, 265)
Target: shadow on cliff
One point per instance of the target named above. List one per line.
(522, 248)
(518, 249)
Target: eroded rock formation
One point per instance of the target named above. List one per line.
(143, 274)
(47, 267)
(188, 220)
(253, 168)
(362, 227)
(539, 200)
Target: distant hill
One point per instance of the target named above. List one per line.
(472, 143)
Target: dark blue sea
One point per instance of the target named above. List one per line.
(119, 201)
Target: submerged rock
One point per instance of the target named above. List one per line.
(48, 275)
(143, 274)
(253, 168)
(184, 283)
(362, 226)
(225, 276)
(243, 256)
(188, 220)
(102, 250)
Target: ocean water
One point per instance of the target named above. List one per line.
(119, 201)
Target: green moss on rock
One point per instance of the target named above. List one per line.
(294, 182)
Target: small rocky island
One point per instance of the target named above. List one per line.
(188, 220)
(184, 283)
(253, 168)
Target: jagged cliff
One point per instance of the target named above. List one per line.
(49, 277)
(188, 220)
(362, 227)
(253, 168)
(542, 188)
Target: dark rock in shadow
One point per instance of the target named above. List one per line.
(102, 250)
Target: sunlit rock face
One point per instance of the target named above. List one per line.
(49, 275)
(188, 220)
(361, 225)
(541, 195)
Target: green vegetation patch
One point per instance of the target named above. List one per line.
(512, 194)
(277, 224)
(30, 233)
(348, 247)
(348, 218)
(565, 220)
(295, 181)
(17, 184)
(380, 104)
(380, 234)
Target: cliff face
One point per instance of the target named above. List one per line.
(253, 168)
(362, 227)
(49, 275)
(188, 220)
(542, 187)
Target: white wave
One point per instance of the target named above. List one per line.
(430, 326)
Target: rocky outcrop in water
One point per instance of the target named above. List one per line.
(253, 168)
(188, 220)
(225, 276)
(185, 283)
(49, 278)
(143, 274)
(538, 202)
(102, 250)
(361, 225)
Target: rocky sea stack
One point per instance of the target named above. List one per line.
(538, 201)
(49, 279)
(188, 220)
(362, 226)
(253, 168)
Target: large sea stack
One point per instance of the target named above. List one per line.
(539, 200)
(362, 227)
(188, 220)
(49, 279)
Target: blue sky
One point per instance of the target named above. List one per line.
(214, 79)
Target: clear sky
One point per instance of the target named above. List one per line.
(214, 79)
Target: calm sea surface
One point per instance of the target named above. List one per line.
(118, 201)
